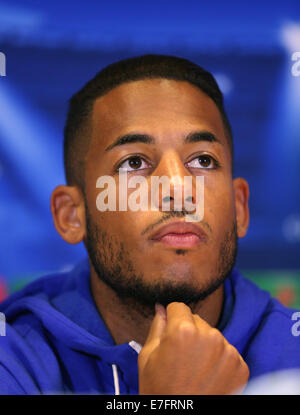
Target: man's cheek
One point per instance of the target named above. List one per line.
(121, 226)
(219, 205)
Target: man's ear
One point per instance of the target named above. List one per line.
(68, 211)
(241, 195)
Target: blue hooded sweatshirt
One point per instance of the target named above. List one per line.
(56, 341)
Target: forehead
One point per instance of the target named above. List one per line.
(156, 106)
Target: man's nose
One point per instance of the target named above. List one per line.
(172, 183)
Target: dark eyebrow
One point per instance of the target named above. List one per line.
(194, 137)
(202, 136)
(131, 138)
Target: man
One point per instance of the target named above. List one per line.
(158, 308)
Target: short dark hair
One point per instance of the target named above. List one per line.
(77, 130)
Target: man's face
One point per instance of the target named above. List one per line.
(120, 243)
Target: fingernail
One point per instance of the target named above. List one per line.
(160, 309)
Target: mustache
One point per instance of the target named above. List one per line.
(170, 215)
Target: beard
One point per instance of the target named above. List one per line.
(113, 266)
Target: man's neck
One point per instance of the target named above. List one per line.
(128, 320)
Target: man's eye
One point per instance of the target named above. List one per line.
(204, 161)
(133, 163)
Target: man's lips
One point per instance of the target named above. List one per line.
(179, 235)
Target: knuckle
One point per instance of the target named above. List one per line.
(239, 364)
(186, 330)
(233, 357)
(245, 371)
(183, 335)
(232, 353)
(216, 338)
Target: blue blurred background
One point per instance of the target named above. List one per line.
(53, 48)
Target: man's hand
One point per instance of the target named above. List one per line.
(184, 355)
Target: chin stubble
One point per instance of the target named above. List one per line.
(113, 266)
